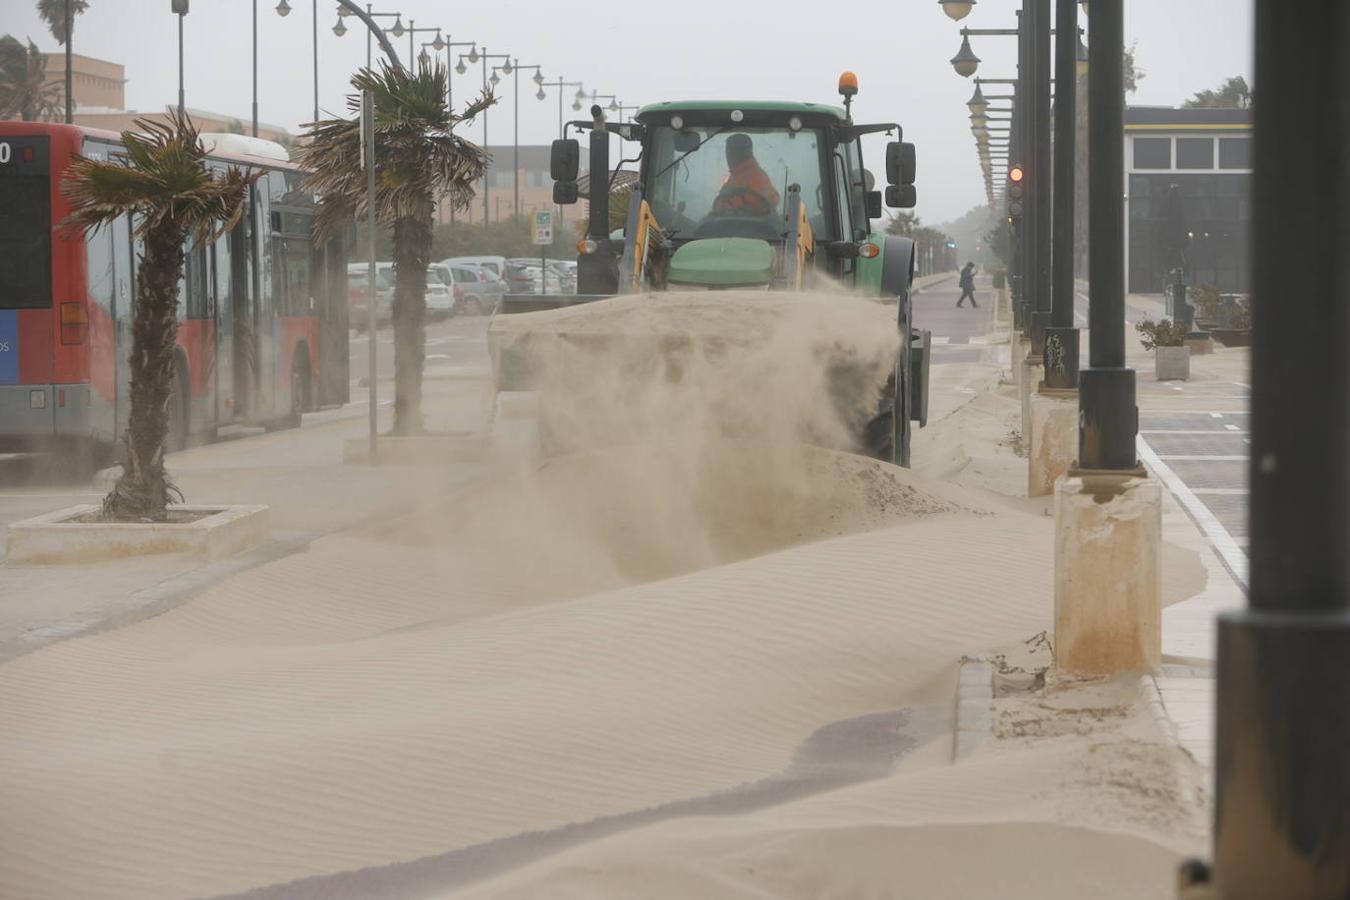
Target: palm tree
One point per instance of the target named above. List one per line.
(60, 18)
(418, 158)
(24, 91)
(164, 184)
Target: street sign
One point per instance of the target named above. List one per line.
(543, 227)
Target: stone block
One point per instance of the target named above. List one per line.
(1108, 573)
(1053, 443)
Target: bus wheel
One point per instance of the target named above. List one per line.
(176, 438)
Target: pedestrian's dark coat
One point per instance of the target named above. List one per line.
(968, 277)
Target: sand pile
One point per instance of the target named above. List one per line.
(769, 366)
(591, 660)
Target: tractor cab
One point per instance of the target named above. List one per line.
(735, 195)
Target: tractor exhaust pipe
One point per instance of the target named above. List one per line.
(599, 196)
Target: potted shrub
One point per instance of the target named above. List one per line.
(1208, 303)
(1237, 330)
(1171, 356)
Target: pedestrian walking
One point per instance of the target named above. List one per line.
(968, 285)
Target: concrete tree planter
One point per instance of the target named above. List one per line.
(1172, 363)
(1233, 337)
(65, 536)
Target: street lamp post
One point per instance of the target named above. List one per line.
(1282, 761)
(1106, 389)
(283, 9)
(255, 67)
(180, 9)
(413, 32)
(1061, 357)
(487, 175)
(368, 17)
(515, 140)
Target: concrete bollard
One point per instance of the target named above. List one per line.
(1032, 372)
(1017, 351)
(1054, 439)
(1108, 573)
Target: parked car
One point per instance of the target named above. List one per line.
(497, 264)
(440, 292)
(520, 279)
(473, 293)
(358, 294)
(492, 288)
(542, 280)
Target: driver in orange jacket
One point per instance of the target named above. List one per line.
(747, 190)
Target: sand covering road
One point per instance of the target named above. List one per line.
(623, 630)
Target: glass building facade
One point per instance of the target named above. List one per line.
(1206, 154)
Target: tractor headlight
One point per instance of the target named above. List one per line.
(795, 123)
(677, 122)
(737, 116)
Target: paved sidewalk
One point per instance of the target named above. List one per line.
(298, 473)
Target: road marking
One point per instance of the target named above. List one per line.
(1209, 431)
(1202, 458)
(1224, 492)
(1232, 428)
(1227, 549)
(1216, 415)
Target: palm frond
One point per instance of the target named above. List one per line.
(163, 179)
(418, 157)
(53, 13)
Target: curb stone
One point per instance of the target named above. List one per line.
(974, 707)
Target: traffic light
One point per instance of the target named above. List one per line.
(1016, 190)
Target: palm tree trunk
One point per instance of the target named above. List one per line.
(144, 491)
(412, 247)
(70, 26)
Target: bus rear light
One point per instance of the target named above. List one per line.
(61, 399)
(74, 323)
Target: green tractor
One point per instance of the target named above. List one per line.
(749, 195)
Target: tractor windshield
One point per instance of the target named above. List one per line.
(722, 181)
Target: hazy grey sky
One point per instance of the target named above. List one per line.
(648, 52)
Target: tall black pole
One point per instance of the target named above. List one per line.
(255, 68)
(1039, 170)
(1061, 338)
(70, 29)
(1107, 416)
(1282, 812)
(181, 105)
(315, 37)
(1026, 227)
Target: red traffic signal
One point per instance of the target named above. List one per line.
(1016, 174)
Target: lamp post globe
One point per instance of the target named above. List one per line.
(494, 79)
(460, 67)
(398, 30)
(473, 54)
(613, 106)
(339, 29)
(576, 104)
(977, 105)
(283, 9)
(541, 95)
(439, 44)
(581, 95)
(965, 62)
(538, 77)
(956, 9)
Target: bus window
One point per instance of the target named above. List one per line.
(194, 299)
(101, 276)
(25, 224)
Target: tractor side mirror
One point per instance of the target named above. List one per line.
(901, 196)
(564, 192)
(873, 202)
(564, 160)
(900, 163)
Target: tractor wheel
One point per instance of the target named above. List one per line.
(886, 435)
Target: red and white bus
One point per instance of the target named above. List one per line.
(262, 312)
